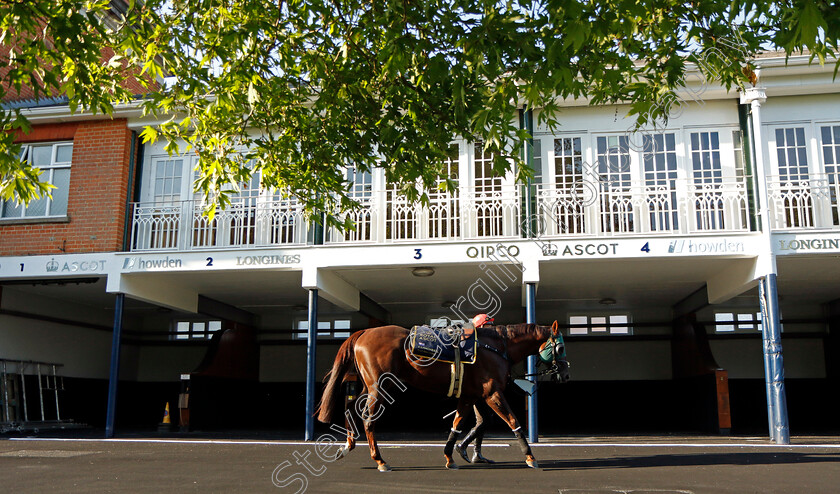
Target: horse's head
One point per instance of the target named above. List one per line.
(553, 352)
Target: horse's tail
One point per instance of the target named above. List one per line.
(343, 362)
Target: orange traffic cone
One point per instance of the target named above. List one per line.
(166, 425)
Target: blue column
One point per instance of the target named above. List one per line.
(531, 318)
(312, 335)
(762, 298)
(771, 327)
(114, 374)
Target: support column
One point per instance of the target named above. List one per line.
(531, 318)
(311, 337)
(774, 374)
(114, 374)
(773, 361)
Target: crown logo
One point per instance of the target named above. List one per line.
(52, 266)
(549, 250)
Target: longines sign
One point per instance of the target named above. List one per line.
(807, 245)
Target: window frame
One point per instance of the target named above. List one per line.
(743, 321)
(192, 333)
(300, 328)
(607, 324)
(50, 169)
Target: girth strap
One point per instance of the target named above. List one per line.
(456, 379)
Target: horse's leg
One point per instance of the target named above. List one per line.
(350, 427)
(369, 419)
(477, 434)
(463, 408)
(499, 404)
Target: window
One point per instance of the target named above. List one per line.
(618, 324)
(361, 183)
(444, 207)
(54, 162)
(444, 322)
(614, 172)
(705, 156)
(792, 157)
(167, 181)
(334, 328)
(830, 137)
(731, 322)
(537, 160)
(196, 330)
(488, 187)
(660, 162)
(486, 180)
(792, 154)
(740, 163)
(706, 167)
(568, 162)
(567, 209)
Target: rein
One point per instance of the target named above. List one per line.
(501, 353)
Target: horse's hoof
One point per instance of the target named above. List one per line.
(463, 453)
(342, 452)
(477, 458)
(384, 468)
(532, 462)
(450, 465)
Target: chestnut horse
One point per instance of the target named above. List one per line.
(372, 353)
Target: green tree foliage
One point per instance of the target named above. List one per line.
(298, 88)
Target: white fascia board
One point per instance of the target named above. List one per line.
(60, 114)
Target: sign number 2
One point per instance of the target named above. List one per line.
(417, 254)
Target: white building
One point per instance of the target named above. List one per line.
(633, 231)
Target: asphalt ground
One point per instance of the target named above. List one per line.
(580, 465)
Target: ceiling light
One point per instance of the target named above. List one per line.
(607, 301)
(423, 272)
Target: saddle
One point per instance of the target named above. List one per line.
(457, 345)
(441, 344)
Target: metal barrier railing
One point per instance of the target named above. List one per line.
(16, 396)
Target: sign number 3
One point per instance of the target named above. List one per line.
(417, 254)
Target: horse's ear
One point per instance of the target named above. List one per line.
(554, 329)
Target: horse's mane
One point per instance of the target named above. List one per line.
(507, 332)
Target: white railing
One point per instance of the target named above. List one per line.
(808, 202)
(581, 209)
(467, 213)
(679, 207)
(246, 222)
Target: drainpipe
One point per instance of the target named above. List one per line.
(130, 194)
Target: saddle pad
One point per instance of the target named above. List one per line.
(426, 343)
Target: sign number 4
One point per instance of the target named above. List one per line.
(646, 247)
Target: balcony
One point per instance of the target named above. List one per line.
(245, 223)
(677, 207)
(804, 202)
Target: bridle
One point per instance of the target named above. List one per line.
(553, 353)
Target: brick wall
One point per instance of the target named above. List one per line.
(98, 187)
